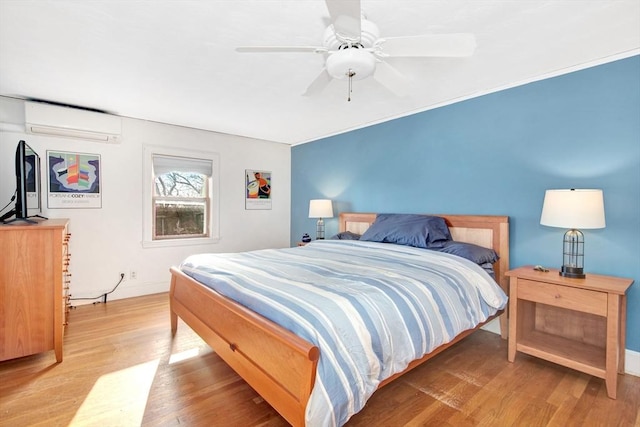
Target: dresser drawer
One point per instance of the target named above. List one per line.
(563, 296)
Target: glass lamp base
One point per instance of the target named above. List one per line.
(320, 230)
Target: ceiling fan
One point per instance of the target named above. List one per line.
(354, 49)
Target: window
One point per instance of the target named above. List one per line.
(181, 195)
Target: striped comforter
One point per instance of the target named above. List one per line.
(371, 308)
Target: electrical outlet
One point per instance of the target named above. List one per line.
(133, 275)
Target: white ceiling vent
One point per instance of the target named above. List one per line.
(53, 120)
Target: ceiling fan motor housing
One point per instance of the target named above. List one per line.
(351, 58)
(368, 36)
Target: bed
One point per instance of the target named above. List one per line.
(255, 347)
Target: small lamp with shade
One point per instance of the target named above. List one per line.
(320, 208)
(573, 209)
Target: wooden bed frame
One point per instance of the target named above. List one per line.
(278, 364)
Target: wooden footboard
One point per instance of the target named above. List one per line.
(279, 365)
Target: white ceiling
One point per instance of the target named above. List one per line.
(174, 61)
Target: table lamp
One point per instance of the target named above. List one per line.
(573, 209)
(320, 208)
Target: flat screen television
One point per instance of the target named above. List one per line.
(28, 201)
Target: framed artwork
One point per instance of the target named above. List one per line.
(257, 189)
(74, 180)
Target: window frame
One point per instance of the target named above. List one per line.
(148, 199)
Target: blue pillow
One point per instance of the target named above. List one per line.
(488, 267)
(472, 252)
(345, 235)
(421, 231)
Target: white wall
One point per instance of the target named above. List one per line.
(107, 241)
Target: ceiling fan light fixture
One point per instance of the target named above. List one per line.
(359, 63)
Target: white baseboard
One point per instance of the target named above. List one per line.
(632, 358)
(632, 362)
(493, 326)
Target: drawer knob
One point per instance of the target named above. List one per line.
(233, 347)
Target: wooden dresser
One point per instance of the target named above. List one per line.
(34, 281)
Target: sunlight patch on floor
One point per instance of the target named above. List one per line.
(443, 397)
(184, 355)
(118, 398)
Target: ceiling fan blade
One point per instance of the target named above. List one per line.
(346, 18)
(270, 49)
(319, 83)
(444, 45)
(391, 78)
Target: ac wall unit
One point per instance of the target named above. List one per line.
(53, 120)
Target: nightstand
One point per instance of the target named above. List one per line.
(577, 323)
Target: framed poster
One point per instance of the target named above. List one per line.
(74, 180)
(257, 189)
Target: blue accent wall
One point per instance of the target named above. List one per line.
(497, 154)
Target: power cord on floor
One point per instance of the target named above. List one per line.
(103, 296)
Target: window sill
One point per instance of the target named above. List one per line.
(180, 242)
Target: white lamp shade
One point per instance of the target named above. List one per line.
(320, 208)
(574, 208)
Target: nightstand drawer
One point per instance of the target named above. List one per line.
(563, 296)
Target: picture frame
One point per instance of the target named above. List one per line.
(74, 180)
(257, 189)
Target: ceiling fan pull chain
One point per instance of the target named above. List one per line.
(350, 74)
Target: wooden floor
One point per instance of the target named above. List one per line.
(122, 368)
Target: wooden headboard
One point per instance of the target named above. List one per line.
(490, 231)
